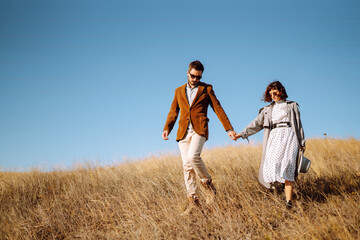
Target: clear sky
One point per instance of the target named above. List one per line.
(94, 80)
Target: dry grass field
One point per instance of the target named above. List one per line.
(143, 200)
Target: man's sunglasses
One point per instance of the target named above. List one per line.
(194, 76)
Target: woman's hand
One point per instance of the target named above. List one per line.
(303, 148)
(237, 136)
(232, 135)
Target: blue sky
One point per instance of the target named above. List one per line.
(93, 80)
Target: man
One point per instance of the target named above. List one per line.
(193, 99)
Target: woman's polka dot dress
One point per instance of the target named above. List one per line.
(282, 148)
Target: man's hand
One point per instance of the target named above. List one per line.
(165, 135)
(232, 134)
(237, 136)
(303, 148)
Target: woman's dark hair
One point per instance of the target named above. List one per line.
(275, 85)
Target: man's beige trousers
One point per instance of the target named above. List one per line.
(190, 149)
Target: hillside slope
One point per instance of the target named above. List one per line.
(143, 200)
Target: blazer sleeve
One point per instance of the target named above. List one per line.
(255, 126)
(173, 114)
(219, 111)
(300, 129)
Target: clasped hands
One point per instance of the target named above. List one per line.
(233, 135)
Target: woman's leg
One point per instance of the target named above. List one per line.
(288, 190)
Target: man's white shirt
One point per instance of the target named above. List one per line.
(191, 94)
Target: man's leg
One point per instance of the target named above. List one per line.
(189, 173)
(193, 157)
(189, 176)
(194, 152)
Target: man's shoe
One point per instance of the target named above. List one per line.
(210, 191)
(193, 205)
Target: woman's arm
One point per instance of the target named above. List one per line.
(255, 126)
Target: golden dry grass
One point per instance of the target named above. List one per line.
(143, 200)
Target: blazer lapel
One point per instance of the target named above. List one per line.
(183, 94)
(200, 90)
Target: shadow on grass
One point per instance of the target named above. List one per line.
(319, 189)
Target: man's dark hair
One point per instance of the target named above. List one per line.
(197, 65)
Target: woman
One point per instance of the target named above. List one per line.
(283, 137)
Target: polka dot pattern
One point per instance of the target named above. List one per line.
(281, 150)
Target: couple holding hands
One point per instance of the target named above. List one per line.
(283, 135)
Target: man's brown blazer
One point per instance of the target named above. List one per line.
(196, 113)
